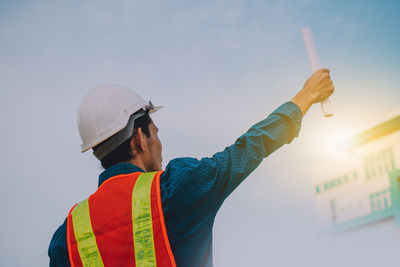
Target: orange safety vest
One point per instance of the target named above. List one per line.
(121, 224)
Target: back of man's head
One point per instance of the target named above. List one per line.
(124, 153)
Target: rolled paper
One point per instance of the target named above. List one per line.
(314, 61)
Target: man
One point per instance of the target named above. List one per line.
(112, 228)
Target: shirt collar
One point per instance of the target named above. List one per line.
(117, 169)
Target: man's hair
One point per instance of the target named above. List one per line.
(123, 152)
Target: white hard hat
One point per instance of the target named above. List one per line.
(105, 111)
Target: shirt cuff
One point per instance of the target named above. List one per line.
(292, 113)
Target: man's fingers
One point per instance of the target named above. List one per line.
(327, 92)
(325, 73)
(324, 70)
(321, 71)
(328, 81)
(332, 89)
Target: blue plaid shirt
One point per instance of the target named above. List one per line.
(193, 190)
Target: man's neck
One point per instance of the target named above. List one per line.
(137, 161)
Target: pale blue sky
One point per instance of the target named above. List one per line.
(218, 67)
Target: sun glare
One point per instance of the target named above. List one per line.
(331, 141)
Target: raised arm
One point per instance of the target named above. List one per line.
(207, 182)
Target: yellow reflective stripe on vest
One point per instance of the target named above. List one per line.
(142, 221)
(86, 241)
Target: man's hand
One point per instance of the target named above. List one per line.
(316, 89)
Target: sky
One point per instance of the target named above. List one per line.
(218, 67)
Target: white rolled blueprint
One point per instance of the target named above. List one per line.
(314, 61)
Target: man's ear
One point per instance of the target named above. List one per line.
(138, 142)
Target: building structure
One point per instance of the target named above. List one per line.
(361, 192)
